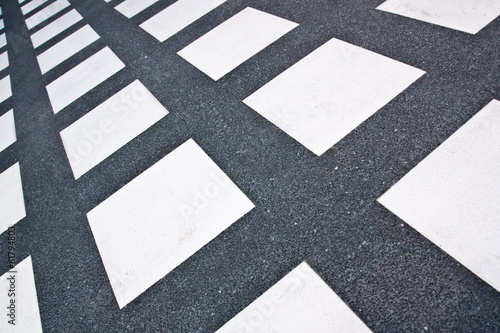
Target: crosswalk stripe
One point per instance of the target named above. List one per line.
(5, 88)
(26, 313)
(162, 217)
(327, 94)
(130, 8)
(463, 15)
(7, 130)
(32, 5)
(177, 16)
(300, 302)
(55, 28)
(46, 13)
(452, 196)
(11, 197)
(2, 25)
(3, 40)
(227, 46)
(82, 78)
(110, 126)
(21, 1)
(66, 48)
(4, 60)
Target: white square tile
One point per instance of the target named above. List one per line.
(162, 217)
(452, 196)
(177, 16)
(11, 197)
(27, 315)
(108, 127)
(46, 13)
(465, 15)
(32, 5)
(55, 28)
(5, 88)
(130, 8)
(3, 40)
(7, 130)
(327, 94)
(227, 46)
(82, 78)
(300, 302)
(4, 60)
(66, 48)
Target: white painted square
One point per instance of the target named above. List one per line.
(55, 28)
(130, 8)
(162, 217)
(108, 127)
(464, 15)
(236, 40)
(46, 13)
(3, 40)
(66, 48)
(327, 94)
(452, 197)
(32, 5)
(7, 130)
(27, 316)
(11, 197)
(4, 61)
(177, 16)
(300, 302)
(5, 88)
(82, 78)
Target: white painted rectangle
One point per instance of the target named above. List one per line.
(4, 61)
(227, 46)
(55, 28)
(108, 127)
(66, 48)
(11, 197)
(130, 8)
(452, 196)
(162, 217)
(82, 78)
(177, 16)
(3, 40)
(5, 88)
(2, 25)
(46, 13)
(7, 130)
(32, 5)
(464, 15)
(327, 94)
(300, 302)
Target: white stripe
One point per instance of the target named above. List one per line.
(330, 92)
(130, 8)
(452, 196)
(32, 5)
(46, 13)
(300, 302)
(108, 127)
(4, 60)
(27, 315)
(11, 197)
(227, 46)
(162, 217)
(67, 48)
(2, 25)
(178, 16)
(55, 28)
(7, 130)
(3, 40)
(82, 78)
(5, 88)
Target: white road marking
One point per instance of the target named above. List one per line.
(3, 40)
(55, 28)
(5, 88)
(32, 5)
(7, 130)
(11, 197)
(4, 60)
(46, 13)
(234, 41)
(327, 94)
(130, 8)
(452, 197)
(162, 217)
(82, 78)
(177, 16)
